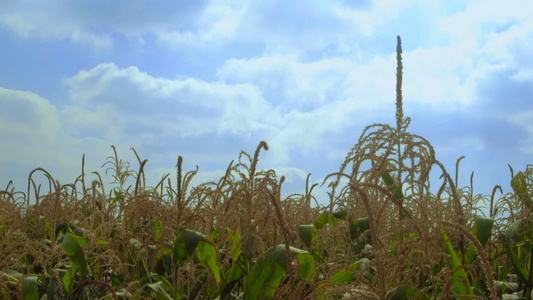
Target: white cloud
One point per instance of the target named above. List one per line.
(187, 106)
(304, 76)
(33, 134)
(27, 122)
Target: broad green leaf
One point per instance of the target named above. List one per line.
(267, 273)
(263, 279)
(340, 214)
(342, 277)
(363, 224)
(322, 221)
(207, 255)
(307, 233)
(82, 241)
(75, 253)
(233, 275)
(471, 254)
(30, 288)
(185, 245)
(307, 264)
(483, 229)
(523, 272)
(68, 279)
(459, 277)
(158, 233)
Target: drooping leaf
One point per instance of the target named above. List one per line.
(267, 273)
(307, 233)
(483, 229)
(30, 288)
(363, 224)
(185, 245)
(340, 214)
(73, 249)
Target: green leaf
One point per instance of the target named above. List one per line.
(185, 245)
(483, 229)
(459, 277)
(68, 279)
(268, 271)
(30, 288)
(322, 221)
(73, 249)
(237, 246)
(207, 255)
(63, 227)
(307, 233)
(387, 178)
(307, 265)
(340, 214)
(233, 275)
(523, 272)
(342, 277)
(215, 234)
(363, 224)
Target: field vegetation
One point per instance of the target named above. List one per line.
(382, 234)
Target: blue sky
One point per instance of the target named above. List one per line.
(206, 79)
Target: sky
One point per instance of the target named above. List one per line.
(207, 79)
